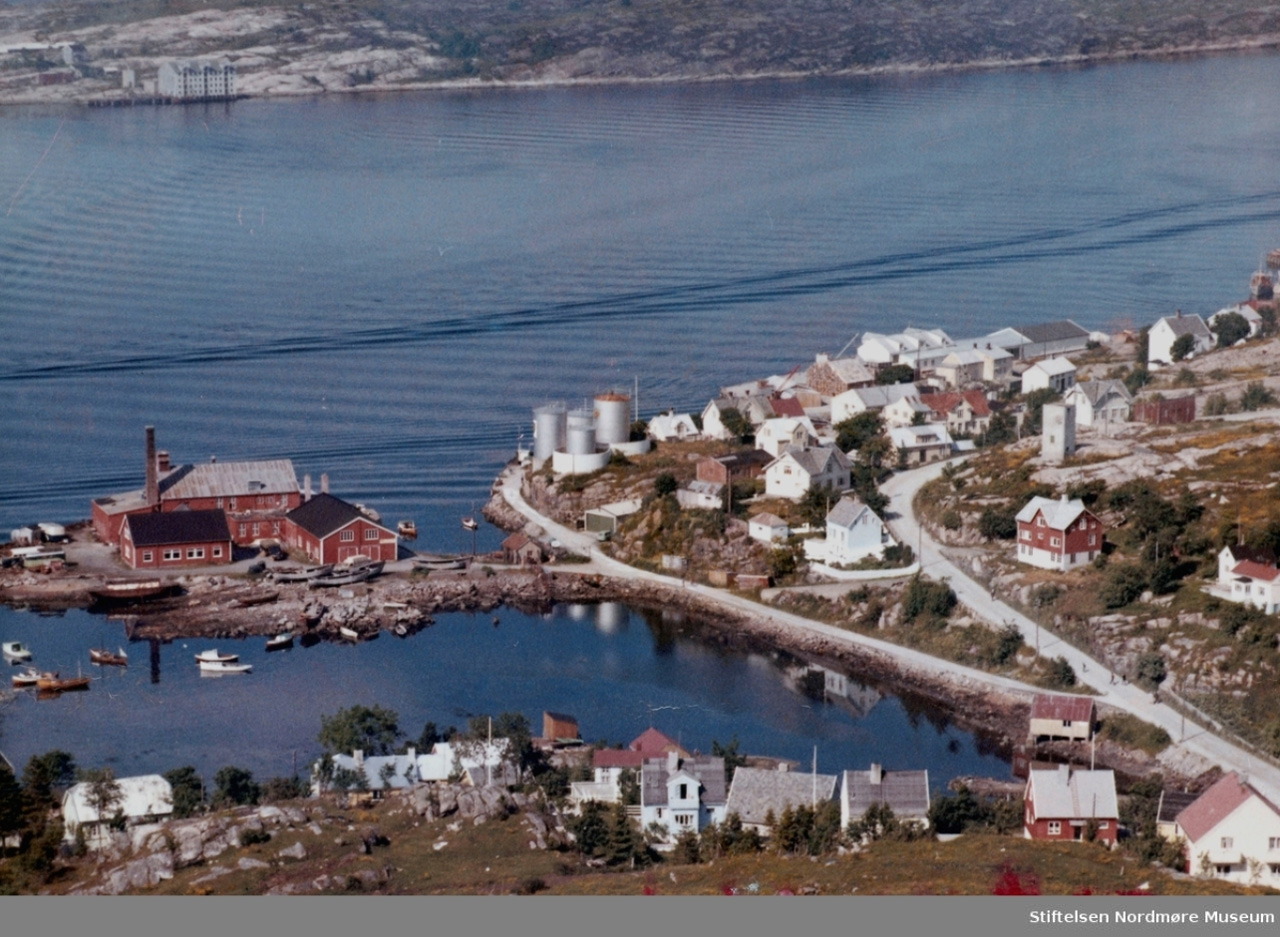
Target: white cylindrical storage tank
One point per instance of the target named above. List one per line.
(548, 430)
(581, 435)
(613, 418)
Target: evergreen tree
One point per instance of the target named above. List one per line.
(10, 803)
(625, 845)
(188, 790)
(591, 830)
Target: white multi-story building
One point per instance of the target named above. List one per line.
(197, 80)
(853, 532)
(682, 794)
(1232, 832)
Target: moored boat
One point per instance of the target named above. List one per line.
(28, 677)
(130, 590)
(408, 530)
(213, 657)
(223, 666)
(99, 655)
(470, 523)
(15, 650)
(52, 682)
(280, 641)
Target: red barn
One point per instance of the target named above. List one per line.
(724, 469)
(329, 530)
(1062, 803)
(1058, 534)
(179, 538)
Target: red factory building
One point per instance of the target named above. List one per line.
(329, 530)
(255, 496)
(178, 538)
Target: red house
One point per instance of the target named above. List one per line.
(178, 538)
(723, 469)
(1058, 534)
(1062, 803)
(648, 744)
(329, 530)
(254, 495)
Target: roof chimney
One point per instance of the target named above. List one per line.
(876, 774)
(306, 488)
(1179, 314)
(153, 479)
(324, 483)
(673, 761)
(162, 461)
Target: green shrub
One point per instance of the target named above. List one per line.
(1060, 674)
(952, 520)
(932, 599)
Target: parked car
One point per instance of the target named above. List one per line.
(276, 552)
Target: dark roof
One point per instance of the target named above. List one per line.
(905, 792)
(1062, 330)
(756, 791)
(1173, 803)
(708, 769)
(1187, 325)
(324, 514)
(154, 530)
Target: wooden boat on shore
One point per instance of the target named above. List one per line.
(223, 666)
(348, 577)
(53, 683)
(430, 563)
(248, 601)
(15, 650)
(280, 641)
(28, 677)
(130, 590)
(213, 657)
(294, 574)
(99, 655)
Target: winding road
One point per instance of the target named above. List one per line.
(901, 490)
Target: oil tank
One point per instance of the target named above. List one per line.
(581, 433)
(548, 430)
(613, 418)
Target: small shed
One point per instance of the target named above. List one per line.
(1162, 412)
(520, 549)
(1062, 717)
(560, 728)
(604, 519)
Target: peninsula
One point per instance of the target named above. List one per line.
(113, 51)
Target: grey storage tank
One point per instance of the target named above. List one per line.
(581, 433)
(548, 429)
(613, 418)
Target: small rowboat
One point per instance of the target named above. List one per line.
(408, 530)
(51, 682)
(349, 633)
(213, 657)
(99, 655)
(28, 677)
(280, 641)
(223, 666)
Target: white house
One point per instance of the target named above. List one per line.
(905, 347)
(144, 798)
(853, 532)
(672, 426)
(768, 528)
(700, 495)
(375, 772)
(996, 363)
(862, 399)
(682, 794)
(906, 793)
(779, 433)
(1168, 330)
(916, 445)
(905, 411)
(1055, 374)
(754, 409)
(1232, 832)
(1247, 577)
(1246, 312)
(472, 761)
(1100, 403)
(797, 470)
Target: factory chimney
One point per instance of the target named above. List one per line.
(153, 476)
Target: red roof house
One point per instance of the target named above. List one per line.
(1058, 535)
(964, 411)
(1233, 833)
(1068, 717)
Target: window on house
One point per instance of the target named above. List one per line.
(243, 530)
(1055, 541)
(1223, 869)
(1104, 824)
(371, 533)
(348, 535)
(172, 555)
(147, 557)
(1039, 521)
(219, 503)
(233, 504)
(1273, 842)
(1275, 868)
(1055, 827)
(1026, 535)
(684, 791)
(257, 529)
(217, 551)
(1093, 540)
(1228, 842)
(195, 553)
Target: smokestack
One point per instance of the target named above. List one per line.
(306, 488)
(153, 479)
(324, 483)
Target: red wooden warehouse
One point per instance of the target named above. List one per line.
(329, 530)
(177, 538)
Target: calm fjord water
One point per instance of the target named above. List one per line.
(380, 287)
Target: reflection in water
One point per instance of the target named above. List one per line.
(155, 660)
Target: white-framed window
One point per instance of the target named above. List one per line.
(1093, 540)
(1104, 824)
(371, 533)
(219, 504)
(1055, 827)
(1039, 521)
(1228, 842)
(1055, 541)
(243, 530)
(684, 819)
(1026, 535)
(148, 556)
(1273, 842)
(195, 553)
(232, 502)
(171, 555)
(1275, 868)
(217, 552)
(275, 528)
(348, 535)
(257, 529)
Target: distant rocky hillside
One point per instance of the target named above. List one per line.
(331, 45)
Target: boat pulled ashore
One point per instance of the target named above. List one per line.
(349, 576)
(295, 574)
(130, 590)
